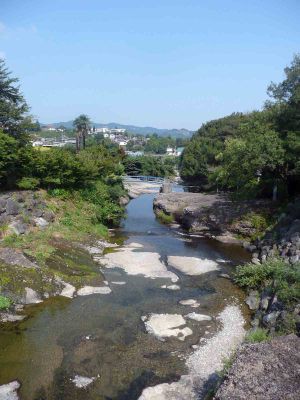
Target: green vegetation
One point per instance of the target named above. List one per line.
(259, 221)
(82, 126)
(4, 302)
(150, 165)
(165, 218)
(255, 154)
(277, 276)
(257, 335)
(91, 175)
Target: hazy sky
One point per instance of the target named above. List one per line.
(163, 63)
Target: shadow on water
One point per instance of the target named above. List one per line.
(102, 336)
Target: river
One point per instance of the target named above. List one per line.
(103, 336)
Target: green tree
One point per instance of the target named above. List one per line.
(13, 107)
(251, 160)
(8, 158)
(284, 109)
(82, 126)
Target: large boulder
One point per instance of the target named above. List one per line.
(12, 207)
(264, 371)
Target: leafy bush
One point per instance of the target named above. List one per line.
(256, 336)
(108, 210)
(150, 165)
(165, 218)
(280, 277)
(28, 183)
(4, 302)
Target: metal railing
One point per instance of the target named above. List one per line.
(142, 178)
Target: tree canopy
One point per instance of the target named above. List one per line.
(249, 154)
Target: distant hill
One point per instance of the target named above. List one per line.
(182, 133)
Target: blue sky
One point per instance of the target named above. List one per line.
(163, 63)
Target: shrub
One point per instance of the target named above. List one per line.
(256, 336)
(280, 277)
(4, 302)
(28, 183)
(165, 218)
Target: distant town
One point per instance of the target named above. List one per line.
(132, 144)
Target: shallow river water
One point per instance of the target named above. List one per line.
(103, 336)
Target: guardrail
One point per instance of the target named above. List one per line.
(142, 178)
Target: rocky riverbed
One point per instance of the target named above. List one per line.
(134, 313)
(216, 216)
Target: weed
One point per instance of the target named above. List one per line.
(256, 336)
(164, 218)
(5, 302)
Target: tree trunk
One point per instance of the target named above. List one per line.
(275, 189)
(77, 143)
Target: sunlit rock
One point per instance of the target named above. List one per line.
(163, 326)
(192, 265)
(87, 290)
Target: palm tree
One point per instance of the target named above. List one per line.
(82, 126)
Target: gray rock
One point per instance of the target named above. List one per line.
(7, 317)
(40, 222)
(2, 205)
(226, 276)
(31, 296)
(17, 228)
(166, 188)
(37, 212)
(14, 257)
(264, 371)
(227, 238)
(124, 200)
(264, 302)
(269, 320)
(12, 207)
(255, 261)
(49, 216)
(252, 300)
(294, 259)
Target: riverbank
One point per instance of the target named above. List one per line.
(45, 248)
(271, 280)
(136, 323)
(216, 216)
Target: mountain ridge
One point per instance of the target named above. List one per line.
(142, 130)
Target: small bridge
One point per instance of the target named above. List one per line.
(142, 178)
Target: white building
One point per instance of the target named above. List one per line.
(170, 151)
(101, 130)
(117, 130)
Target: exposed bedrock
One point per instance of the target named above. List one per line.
(264, 371)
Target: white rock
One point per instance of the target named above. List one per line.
(82, 381)
(198, 317)
(166, 325)
(135, 245)
(189, 302)
(119, 283)
(192, 265)
(68, 290)
(171, 287)
(8, 391)
(205, 361)
(41, 222)
(31, 296)
(87, 290)
(6, 317)
(138, 263)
